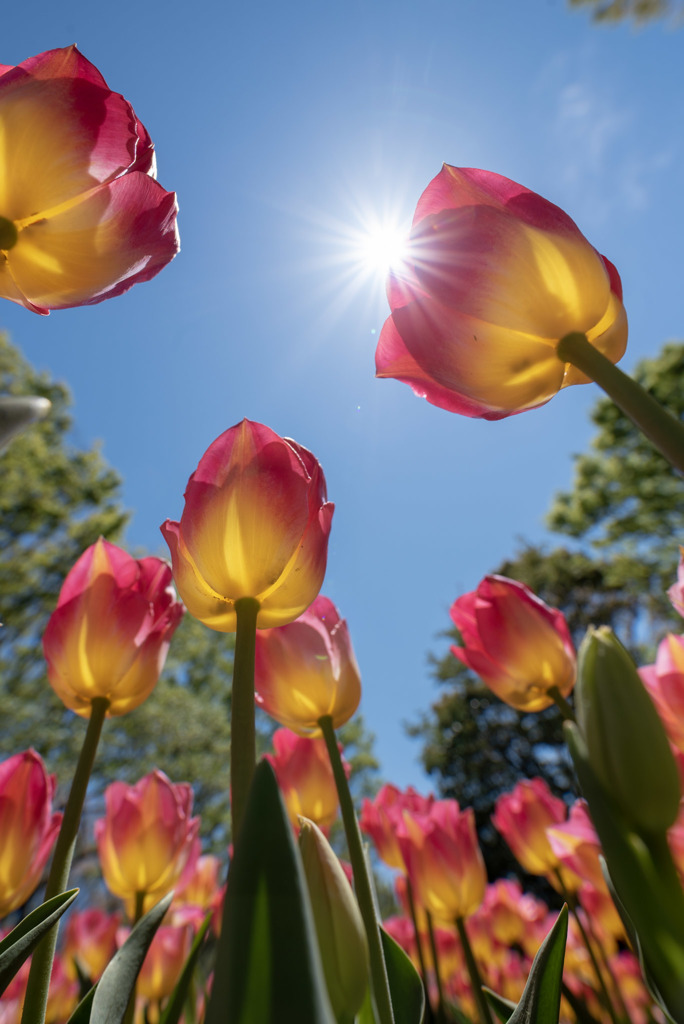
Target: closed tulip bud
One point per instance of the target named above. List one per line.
(28, 827)
(339, 926)
(626, 741)
(146, 839)
(255, 524)
(307, 669)
(494, 277)
(519, 646)
(109, 635)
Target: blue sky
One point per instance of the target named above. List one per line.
(287, 130)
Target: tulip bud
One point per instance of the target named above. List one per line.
(626, 741)
(339, 927)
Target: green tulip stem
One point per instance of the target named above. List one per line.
(362, 883)
(474, 973)
(416, 932)
(571, 901)
(562, 704)
(35, 1003)
(441, 1016)
(662, 429)
(242, 734)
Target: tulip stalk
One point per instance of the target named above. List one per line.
(35, 1003)
(562, 704)
(441, 1015)
(476, 982)
(242, 734)
(416, 932)
(362, 884)
(661, 428)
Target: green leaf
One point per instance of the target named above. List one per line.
(268, 968)
(17, 947)
(174, 1007)
(81, 1014)
(406, 986)
(115, 988)
(540, 1001)
(503, 1008)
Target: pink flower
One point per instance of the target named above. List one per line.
(305, 777)
(255, 524)
(110, 632)
(28, 827)
(495, 276)
(676, 591)
(307, 669)
(381, 817)
(518, 646)
(82, 217)
(443, 860)
(90, 941)
(147, 837)
(577, 847)
(665, 682)
(522, 817)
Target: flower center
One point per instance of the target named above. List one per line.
(8, 233)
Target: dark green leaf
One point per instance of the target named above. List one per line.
(16, 947)
(540, 1001)
(174, 1007)
(406, 986)
(115, 987)
(503, 1008)
(268, 968)
(81, 1014)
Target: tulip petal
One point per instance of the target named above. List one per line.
(114, 236)
(62, 131)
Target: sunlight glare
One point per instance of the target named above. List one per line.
(381, 248)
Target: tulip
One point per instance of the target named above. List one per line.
(305, 777)
(576, 845)
(665, 683)
(82, 217)
(676, 591)
(110, 632)
(255, 524)
(520, 647)
(164, 961)
(522, 817)
(307, 669)
(146, 838)
(443, 860)
(626, 743)
(90, 942)
(28, 827)
(494, 278)
(339, 927)
(381, 817)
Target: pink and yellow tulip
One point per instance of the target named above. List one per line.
(82, 217)
(523, 817)
(520, 648)
(255, 524)
(110, 632)
(307, 669)
(494, 277)
(305, 777)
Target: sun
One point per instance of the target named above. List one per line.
(380, 247)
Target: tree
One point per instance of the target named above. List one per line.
(55, 500)
(640, 11)
(623, 516)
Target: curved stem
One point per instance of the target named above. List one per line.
(474, 973)
(419, 945)
(561, 703)
(362, 884)
(38, 985)
(661, 428)
(242, 737)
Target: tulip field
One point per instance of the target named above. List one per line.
(498, 303)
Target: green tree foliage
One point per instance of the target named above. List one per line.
(639, 11)
(623, 518)
(55, 500)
